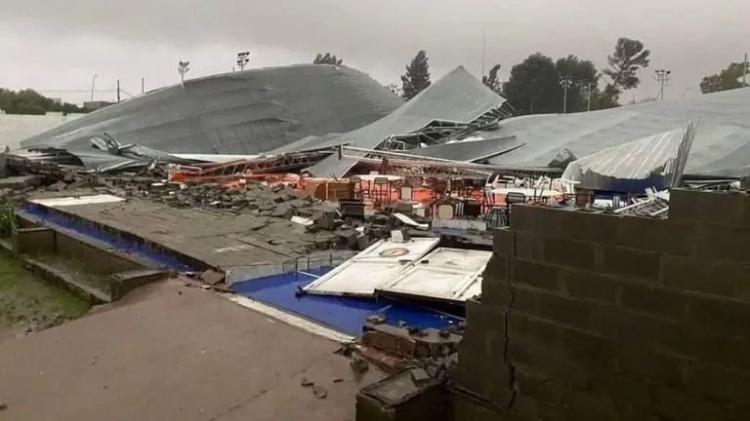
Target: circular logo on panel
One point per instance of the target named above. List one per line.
(394, 252)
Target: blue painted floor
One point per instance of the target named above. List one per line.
(344, 314)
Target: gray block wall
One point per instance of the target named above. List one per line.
(589, 316)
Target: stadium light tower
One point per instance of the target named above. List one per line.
(93, 85)
(242, 59)
(566, 83)
(183, 68)
(662, 76)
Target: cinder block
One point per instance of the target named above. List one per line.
(723, 278)
(529, 246)
(574, 254)
(675, 404)
(659, 235)
(464, 408)
(718, 315)
(504, 242)
(525, 301)
(590, 226)
(564, 310)
(538, 275)
(666, 369)
(589, 349)
(659, 301)
(537, 220)
(630, 262)
(548, 362)
(723, 243)
(731, 209)
(730, 351)
(719, 382)
(632, 395)
(588, 284)
(496, 288)
(638, 329)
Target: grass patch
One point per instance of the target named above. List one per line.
(26, 299)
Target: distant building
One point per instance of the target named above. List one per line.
(95, 105)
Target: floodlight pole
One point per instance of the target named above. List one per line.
(183, 67)
(93, 84)
(662, 76)
(565, 83)
(243, 58)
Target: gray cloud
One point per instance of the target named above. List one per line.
(692, 37)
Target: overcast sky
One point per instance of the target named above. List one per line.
(56, 46)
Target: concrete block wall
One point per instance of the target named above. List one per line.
(590, 316)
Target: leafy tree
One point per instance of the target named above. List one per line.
(417, 76)
(629, 57)
(729, 78)
(328, 58)
(492, 80)
(31, 102)
(584, 76)
(534, 86)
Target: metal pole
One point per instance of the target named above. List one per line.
(143, 85)
(588, 89)
(93, 84)
(745, 69)
(484, 50)
(118, 90)
(565, 83)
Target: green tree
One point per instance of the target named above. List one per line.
(629, 57)
(492, 80)
(417, 76)
(28, 101)
(584, 76)
(328, 58)
(534, 86)
(729, 78)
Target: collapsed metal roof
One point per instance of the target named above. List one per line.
(721, 147)
(454, 101)
(651, 162)
(234, 113)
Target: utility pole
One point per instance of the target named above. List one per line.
(565, 83)
(183, 68)
(93, 84)
(662, 76)
(243, 58)
(143, 85)
(118, 90)
(745, 70)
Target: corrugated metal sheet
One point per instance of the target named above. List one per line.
(458, 97)
(652, 161)
(721, 146)
(469, 151)
(235, 113)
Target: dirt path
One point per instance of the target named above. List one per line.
(29, 303)
(177, 354)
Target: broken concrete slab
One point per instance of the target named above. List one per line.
(20, 182)
(401, 397)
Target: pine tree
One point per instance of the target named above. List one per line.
(417, 76)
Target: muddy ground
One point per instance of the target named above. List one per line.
(29, 303)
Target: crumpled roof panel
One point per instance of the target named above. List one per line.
(235, 113)
(721, 146)
(458, 97)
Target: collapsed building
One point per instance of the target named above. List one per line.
(313, 195)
